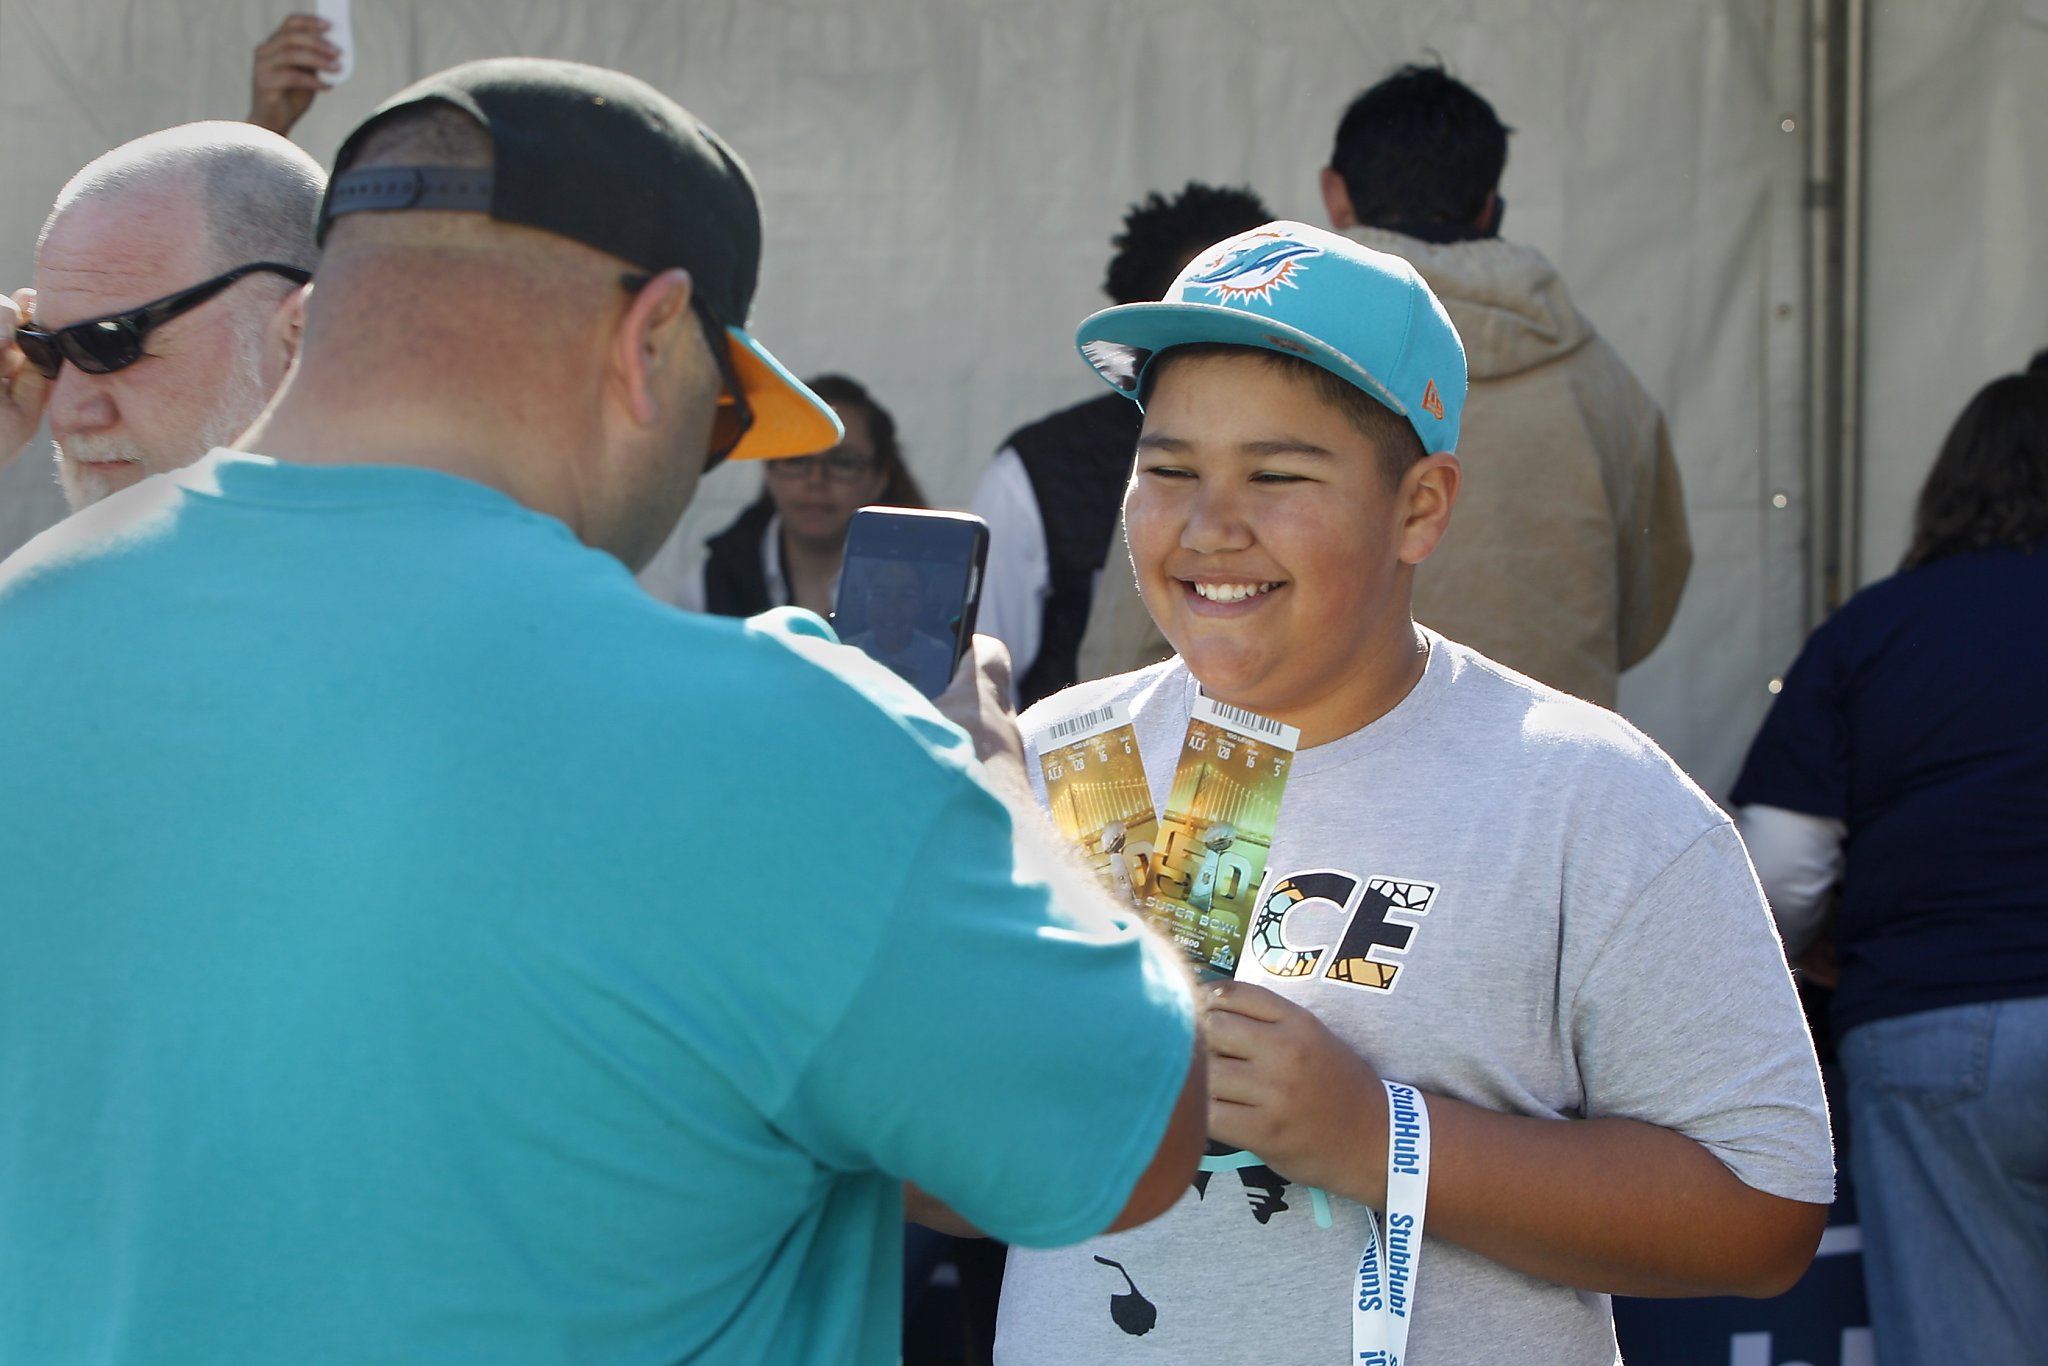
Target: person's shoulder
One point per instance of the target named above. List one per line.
(799, 647)
(1558, 743)
(1861, 625)
(132, 520)
(621, 662)
(1871, 609)
(786, 669)
(1107, 412)
(1477, 268)
(617, 636)
(791, 638)
(744, 531)
(1951, 579)
(1509, 304)
(1993, 595)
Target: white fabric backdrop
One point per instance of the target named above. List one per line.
(941, 178)
(1958, 269)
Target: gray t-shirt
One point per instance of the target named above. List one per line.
(1565, 926)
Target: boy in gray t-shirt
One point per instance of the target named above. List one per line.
(1503, 896)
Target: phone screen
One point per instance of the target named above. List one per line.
(908, 591)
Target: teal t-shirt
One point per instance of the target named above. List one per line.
(416, 944)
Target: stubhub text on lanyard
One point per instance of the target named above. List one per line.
(1387, 1266)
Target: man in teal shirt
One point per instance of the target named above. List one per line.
(420, 945)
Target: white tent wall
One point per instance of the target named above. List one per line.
(1957, 265)
(941, 178)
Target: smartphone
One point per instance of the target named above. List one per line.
(342, 34)
(909, 588)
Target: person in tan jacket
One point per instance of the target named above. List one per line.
(1570, 550)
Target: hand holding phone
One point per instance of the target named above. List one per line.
(978, 701)
(909, 590)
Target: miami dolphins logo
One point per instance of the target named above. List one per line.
(1253, 271)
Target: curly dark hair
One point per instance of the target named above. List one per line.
(1162, 235)
(1989, 485)
(902, 490)
(1421, 147)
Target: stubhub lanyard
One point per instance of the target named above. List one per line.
(1387, 1266)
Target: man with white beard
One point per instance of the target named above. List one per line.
(165, 308)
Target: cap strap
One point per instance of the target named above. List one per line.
(410, 187)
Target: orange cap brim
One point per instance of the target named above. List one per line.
(788, 418)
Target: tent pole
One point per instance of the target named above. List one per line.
(1854, 125)
(1834, 357)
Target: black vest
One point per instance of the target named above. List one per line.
(1078, 460)
(734, 584)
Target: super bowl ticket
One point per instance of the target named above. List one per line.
(1196, 873)
(1221, 815)
(1096, 793)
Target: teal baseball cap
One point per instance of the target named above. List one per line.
(1363, 315)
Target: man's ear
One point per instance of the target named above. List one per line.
(1488, 220)
(1337, 200)
(282, 333)
(649, 344)
(1428, 490)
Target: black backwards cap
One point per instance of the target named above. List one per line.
(604, 159)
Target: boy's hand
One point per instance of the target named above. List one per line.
(1283, 1086)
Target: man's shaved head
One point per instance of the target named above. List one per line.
(258, 192)
(502, 352)
(549, 277)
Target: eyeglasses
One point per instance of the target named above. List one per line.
(100, 346)
(735, 417)
(841, 467)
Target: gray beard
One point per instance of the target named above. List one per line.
(242, 396)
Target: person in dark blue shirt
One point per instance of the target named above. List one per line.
(1903, 770)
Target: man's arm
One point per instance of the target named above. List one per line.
(23, 390)
(1613, 1205)
(1161, 1184)
(1798, 860)
(978, 701)
(286, 73)
(1609, 1205)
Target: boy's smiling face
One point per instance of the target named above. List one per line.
(1271, 547)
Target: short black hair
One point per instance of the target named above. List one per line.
(1162, 235)
(1989, 485)
(1420, 147)
(1393, 437)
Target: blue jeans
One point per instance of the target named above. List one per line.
(1948, 1145)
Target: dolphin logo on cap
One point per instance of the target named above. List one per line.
(1252, 271)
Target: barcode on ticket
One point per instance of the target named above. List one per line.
(1246, 722)
(1082, 727)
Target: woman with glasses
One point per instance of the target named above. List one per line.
(785, 549)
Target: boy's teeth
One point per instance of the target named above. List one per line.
(1232, 592)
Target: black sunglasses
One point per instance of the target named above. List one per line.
(735, 417)
(100, 346)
